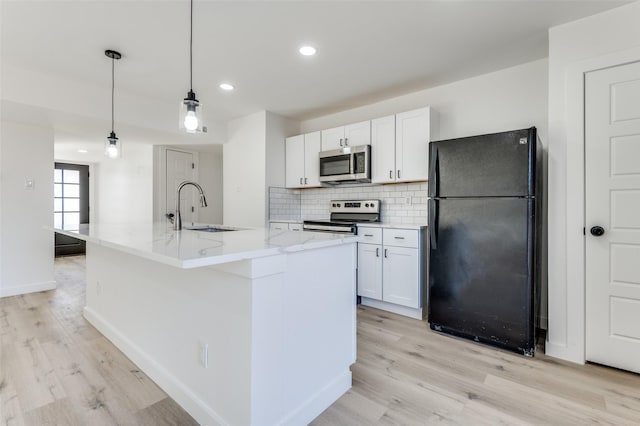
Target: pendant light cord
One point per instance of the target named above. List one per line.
(191, 49)
(113, 85)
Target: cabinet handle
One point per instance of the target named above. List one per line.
(390, 174)
(305, 181)
(300, 181)
(398, 174)
(340, 141)
(399, 238)
(368, 235)
(377, 252)
(345, 141)
(386, 252)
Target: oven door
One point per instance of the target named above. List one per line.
(335, 165)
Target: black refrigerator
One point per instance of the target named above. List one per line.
(484, 230)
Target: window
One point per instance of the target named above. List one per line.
(66, 199)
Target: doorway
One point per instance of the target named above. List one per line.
(70, 205)
(612, 216)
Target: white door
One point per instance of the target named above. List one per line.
(370, 271)
(180, 168)
(357, 134)
(612, 201)
(311, 159)
(412, 145)
(400, 271)
(383, 149)
(294, 162)
(333, 138)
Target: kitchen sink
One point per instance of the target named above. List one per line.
(206, 228)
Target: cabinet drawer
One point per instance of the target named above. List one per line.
(400, 237)
(278, 226)
(370, 235)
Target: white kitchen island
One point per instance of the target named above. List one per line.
(248, 327)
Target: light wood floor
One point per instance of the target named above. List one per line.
(56, 369)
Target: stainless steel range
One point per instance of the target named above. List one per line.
(344, 215)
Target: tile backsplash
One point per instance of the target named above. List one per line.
(402, 203)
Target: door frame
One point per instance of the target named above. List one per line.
(575, 297)
(159, 178)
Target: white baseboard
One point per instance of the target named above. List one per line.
(396, 309)
(25, 289)
(197, 408)
(312, 407)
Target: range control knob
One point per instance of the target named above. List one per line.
(367, 205)
(338, 204)
(333, 205)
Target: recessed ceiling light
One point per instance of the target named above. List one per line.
(307, 50)
(226, 86)
(82, 151)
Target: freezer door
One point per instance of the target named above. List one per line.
(481, 271)
(500, 164)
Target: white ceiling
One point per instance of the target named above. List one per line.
(367, 50)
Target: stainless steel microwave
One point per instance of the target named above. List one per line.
(350, 164)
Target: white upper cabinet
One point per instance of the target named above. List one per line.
(358, 134)
(294, 161)
(343, 136)
(311, 159)
(301, 161)
(400, 146)
(414, 130)
(383, 149)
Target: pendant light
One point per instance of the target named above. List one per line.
(190, 107)
(112, 148)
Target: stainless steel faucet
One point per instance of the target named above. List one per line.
(177, 223)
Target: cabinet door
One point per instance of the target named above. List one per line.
(412, 145)
(357, 134)
(332, 138)
(383, 149)
(278, 226)
(370, 271)
(401, 276)
(294, 161)
(311, 159)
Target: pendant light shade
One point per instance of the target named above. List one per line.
(190, 107)
(112, 147)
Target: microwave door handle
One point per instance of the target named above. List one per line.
(352, 163)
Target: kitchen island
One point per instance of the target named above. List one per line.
(244, 327)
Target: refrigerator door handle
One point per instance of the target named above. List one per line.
(433, 224)
(434, 191)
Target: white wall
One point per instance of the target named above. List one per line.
(253, 160)
(210, 178)
(244, 165)
(124, 187)
(504, 100)
(598, 41)
(26, 264)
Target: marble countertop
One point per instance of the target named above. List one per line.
(192, 249)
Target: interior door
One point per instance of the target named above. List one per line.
(180, 167)
(612, 201)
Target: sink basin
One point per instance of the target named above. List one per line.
(208, 228)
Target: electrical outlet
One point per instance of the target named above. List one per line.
(29, 183)
(408, 200)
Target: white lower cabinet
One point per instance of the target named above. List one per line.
(392, 270)
(285, 226)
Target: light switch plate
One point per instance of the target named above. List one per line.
(29, 183)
